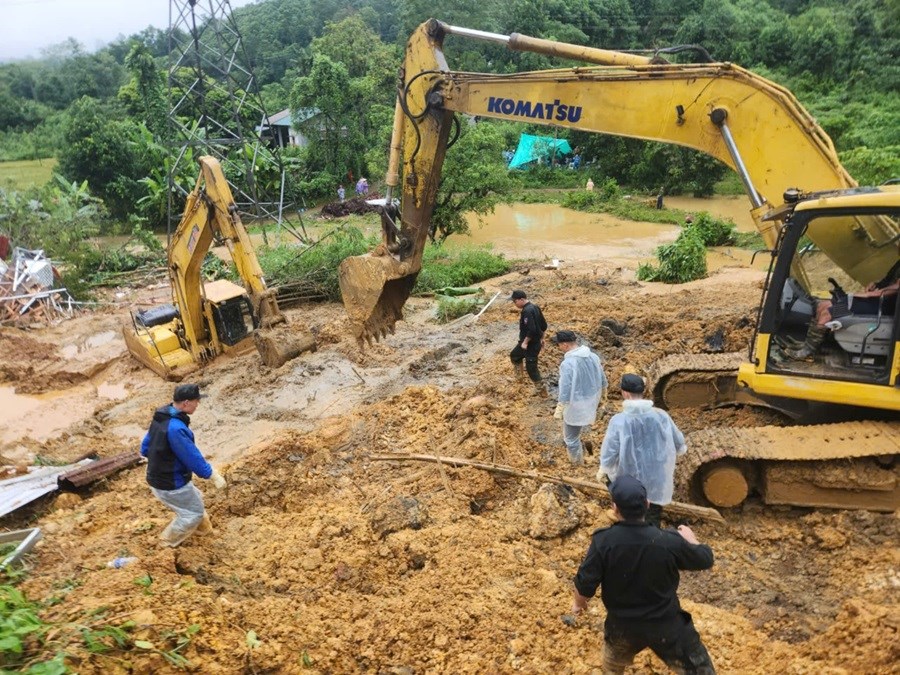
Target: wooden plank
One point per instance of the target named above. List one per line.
(676, 508)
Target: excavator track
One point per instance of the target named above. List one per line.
(843, 465)
(698, 381)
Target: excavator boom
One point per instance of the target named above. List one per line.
(749, 123)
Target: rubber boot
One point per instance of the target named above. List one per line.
(205, 526)
(540, 389)
(519, 370)
(815, 336)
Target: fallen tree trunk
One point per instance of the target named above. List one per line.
(675, 508)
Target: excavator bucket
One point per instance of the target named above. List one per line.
(375, 286)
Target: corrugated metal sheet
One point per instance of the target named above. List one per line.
(97, 470)
(18, 491)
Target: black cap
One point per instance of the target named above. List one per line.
(633, 384)
(629, 495)
(187, 392)
(564, 336)
(518, 295)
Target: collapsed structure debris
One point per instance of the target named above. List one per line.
(26, 290)
(25, 488)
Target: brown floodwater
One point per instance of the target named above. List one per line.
(549, 231)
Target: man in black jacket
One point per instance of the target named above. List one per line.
(532, 326)
(636, 565)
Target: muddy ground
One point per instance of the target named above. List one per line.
(326, 560)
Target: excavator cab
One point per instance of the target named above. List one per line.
(830, 335)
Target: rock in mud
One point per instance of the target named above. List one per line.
(553, 511)
(400, 513)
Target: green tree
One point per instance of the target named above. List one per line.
(474, 179)
(101, 148)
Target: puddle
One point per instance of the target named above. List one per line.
(116, 392)
(43, 416)
(22, 416)
(70, 351)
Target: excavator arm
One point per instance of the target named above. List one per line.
(210, 212)
(207, 319)
(754, 126)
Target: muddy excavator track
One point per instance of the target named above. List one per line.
(698, 381)
(842, 465)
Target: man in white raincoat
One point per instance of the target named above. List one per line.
(582, 385)
(642, 441)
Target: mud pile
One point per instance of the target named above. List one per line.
(325, 559)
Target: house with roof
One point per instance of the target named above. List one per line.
(282, 127)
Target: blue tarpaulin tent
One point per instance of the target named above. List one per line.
(531, 148)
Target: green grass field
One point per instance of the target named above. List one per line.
(23, 174)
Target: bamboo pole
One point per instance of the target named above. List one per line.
(675, 508)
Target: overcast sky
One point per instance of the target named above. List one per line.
(26, 26)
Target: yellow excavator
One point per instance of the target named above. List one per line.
(820, 228)
(205, 320)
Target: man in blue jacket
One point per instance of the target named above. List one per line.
(635, 565)
(172, 459)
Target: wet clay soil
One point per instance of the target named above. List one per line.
(341, 563)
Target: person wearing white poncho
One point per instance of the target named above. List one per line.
(582, 385)
(642, 441)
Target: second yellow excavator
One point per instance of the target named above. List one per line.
(218, 317)
(819, 227)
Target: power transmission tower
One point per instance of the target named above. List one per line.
(215, 109)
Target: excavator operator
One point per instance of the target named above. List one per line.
(879, 296)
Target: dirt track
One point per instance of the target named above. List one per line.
(342, 564)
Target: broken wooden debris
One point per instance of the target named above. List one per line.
(674, 508)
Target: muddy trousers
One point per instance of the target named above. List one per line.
(187, 503)
(675, 641)
(530, 356)
(572, 439)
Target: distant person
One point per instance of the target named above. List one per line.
(532, 326)
(362, 186)
(636, 567)
(689, 218)
(341, 192)
(642, 441)
(659, 199)
(582, 386)
(172, 458)
(590, 185)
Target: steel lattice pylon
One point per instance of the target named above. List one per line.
(215, 107)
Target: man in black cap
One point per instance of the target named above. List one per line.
(642, 441)
(531, 335)
(172, 458)
(636, 567)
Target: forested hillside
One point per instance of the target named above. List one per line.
(103, 114)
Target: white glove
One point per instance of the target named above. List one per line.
(560, 409)
(218, 480)
(601, 474)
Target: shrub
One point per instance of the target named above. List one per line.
(712, 231)
(442, 267)
(317, 265)
(679, 262)
(452, 308)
